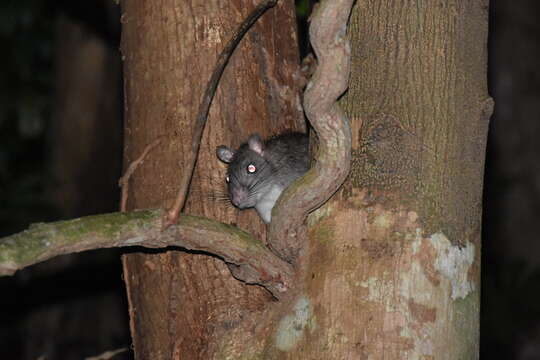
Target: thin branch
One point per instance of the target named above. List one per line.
(248, 259)
(107, 355)
(124, 180)
(200, 122)
(332, 161)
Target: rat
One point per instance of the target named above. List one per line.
(259, 171)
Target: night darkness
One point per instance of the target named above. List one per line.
(53, 161)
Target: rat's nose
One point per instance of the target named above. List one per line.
(239, 197)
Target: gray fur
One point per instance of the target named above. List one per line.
(278, 162)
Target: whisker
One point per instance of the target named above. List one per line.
(218, 195)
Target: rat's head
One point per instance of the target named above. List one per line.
(248, 172)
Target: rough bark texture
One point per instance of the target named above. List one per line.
(178, 301)
(394, 257)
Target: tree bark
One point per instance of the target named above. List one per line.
(394, 257)
(180, 301)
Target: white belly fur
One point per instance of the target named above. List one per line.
(266, 203)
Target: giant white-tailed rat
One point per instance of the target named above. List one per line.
(259, 171)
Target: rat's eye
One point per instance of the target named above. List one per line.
(227, 179)
(251, 168)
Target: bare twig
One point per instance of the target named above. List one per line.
(123, 182)
(332, 161)
(248, 259)
(200, 122)
(107, 355)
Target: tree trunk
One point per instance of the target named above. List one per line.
(395, 256)
(180, 302)
(391, 269)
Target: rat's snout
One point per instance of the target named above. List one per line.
(239, 196)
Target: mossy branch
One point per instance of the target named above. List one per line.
(248, 259)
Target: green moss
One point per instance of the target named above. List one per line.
(320, 214)
(108, 225)
(36, 241)
(324, 231)
(41, 241)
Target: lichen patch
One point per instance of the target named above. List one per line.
(292, 327)
(454, 262)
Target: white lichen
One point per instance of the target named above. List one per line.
(135, 240)
(454, 263)
(292, 327)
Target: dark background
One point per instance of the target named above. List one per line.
(60, 157)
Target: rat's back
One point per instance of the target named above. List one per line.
(289, 155)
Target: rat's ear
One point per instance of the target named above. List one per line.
(224, 153)
(256, 144)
